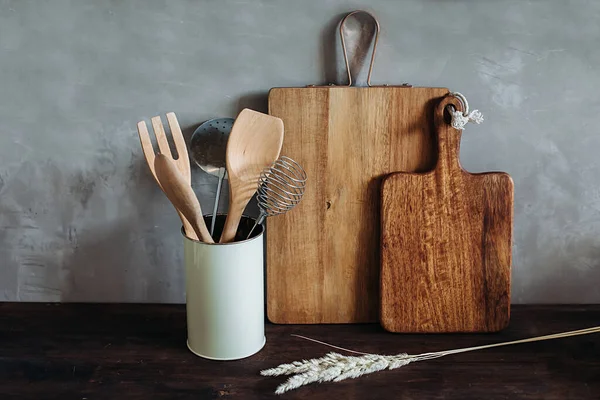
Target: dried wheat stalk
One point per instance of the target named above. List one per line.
(337, 367)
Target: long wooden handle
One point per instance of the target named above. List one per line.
(234, 215)
(182, 196)
(448, 138)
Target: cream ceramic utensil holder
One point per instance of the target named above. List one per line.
(225, 294)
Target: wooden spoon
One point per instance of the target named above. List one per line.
(181, 195)
(254, 144)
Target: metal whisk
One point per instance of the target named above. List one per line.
(281, 187)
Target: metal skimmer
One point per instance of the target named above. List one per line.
(281, 187)
(208, 146)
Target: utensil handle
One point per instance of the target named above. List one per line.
(181, 195)
(187, 227)
(376, 23)
(234, 215)
(260, 220)
(448, 138)
(217, 198)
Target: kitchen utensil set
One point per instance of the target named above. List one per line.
(391, 228)
(254, 144)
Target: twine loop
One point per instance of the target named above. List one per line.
(461, 119)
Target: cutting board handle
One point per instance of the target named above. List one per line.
(376, 25)
(448, 138)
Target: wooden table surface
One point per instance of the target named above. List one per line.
(133, 351)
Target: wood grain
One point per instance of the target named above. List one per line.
(254, 144)
(446, 244)
(138, 351)
(182, 161)
(323, 256)
(181, 195)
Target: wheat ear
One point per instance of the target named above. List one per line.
(337, 367)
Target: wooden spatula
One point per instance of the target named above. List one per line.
(446, 244)
(254, 143)
(182, 162)
(181, 195)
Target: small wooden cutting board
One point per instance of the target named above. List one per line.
(446, 244)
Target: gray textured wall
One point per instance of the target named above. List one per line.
(81, 219)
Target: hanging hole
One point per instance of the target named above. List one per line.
(447, 113)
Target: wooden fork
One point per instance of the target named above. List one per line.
(182, 161)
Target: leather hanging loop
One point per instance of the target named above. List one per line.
(344, 50)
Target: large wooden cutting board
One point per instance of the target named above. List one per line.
(323, 256)
(446, 245)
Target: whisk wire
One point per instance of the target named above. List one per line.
(281, 187)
